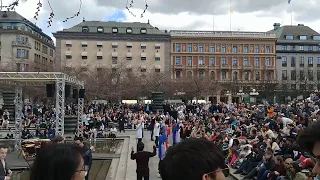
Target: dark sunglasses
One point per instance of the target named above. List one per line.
(225, 170)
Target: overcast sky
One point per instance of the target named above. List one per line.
(248, 15)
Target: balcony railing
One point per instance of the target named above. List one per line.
(21, 44)
(222, 34)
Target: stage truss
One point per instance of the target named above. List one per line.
(20, 79)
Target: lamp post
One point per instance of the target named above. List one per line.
(254, 95)
(228, 94)
(240, 93)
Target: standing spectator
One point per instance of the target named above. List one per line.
(142, 160)
(87, 156)
(5, 172)
(156, 131)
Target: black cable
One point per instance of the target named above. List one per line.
(145, 8)
(39, 6)
(51, 14)
(130, 6)
(75, 15)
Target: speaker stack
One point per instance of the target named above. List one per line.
(157, 101)
(50, 88)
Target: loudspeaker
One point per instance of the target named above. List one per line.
(81, 93)
(67, 92)
(50, 90)
(75, 94)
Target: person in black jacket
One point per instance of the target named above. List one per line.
(142, 160)
(252, 161)
(87, 155)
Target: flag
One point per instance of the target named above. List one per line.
(289, 1)
(214, 10)
(230, 7)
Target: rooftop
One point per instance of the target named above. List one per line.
(295, 31)
(242, 34)
(107, 27)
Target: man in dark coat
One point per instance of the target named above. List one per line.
(5, 172)
(121, 121)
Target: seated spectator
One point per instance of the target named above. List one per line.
(25, 133)
(296, 172)
(288, 174)
(279, 171)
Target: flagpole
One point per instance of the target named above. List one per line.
(291, 13)
(213, 22)
(230, 21)
(230, 11)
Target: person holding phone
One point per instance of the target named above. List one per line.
(142, 159)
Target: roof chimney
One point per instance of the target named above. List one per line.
(300, 24)
(84, 20)
(276, 26)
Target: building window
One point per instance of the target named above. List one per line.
(257, 76)
(293, 61)
(114, 30)
(284, 61)
(246, 76)
(143, 47)
(284, 75)
(100, 29)
(114, 46)
(257, 49)
(157, 70)
(235, 76)
(310, 75)
(201, 74)
(114, 58)
(129, 58)
(85, 29)
(246, 62)
(67, 45)
(235, 49)
(212, 48)
(301, 62)
(293, 75)
(178, 60)
(246, 49)
(316, 38)
(99, 57)
(318, 61)
(143, 58)
(84, 57)
(200, 47)
(157, 47)
(284, 47)
(157, 58)
(189, 61)
(18, 53)
(289, 37)
(178, 74)
(223, 48)
(99, 46)
(84, 45)
(303, 37)
(143, 31)
(301, 48)
(68, 57)
(129, 46)
(234, 62)
(257, 62)
(310, 61)
(178, 47)
(129, 30)
(143, 70)
(224, 75)
(310, 48)
(189, 47)
(268, 62)
(292, 48)
(201, 61)
(212, 61)
(301, 75)
(223, 61)
(268, 49)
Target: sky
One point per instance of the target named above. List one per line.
(247, 15)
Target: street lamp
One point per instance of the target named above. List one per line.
(241, 94)
(228, 94)
(254, 95)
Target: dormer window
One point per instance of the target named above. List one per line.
(114, 30)
(85, 29)
(143, 31)
(317, 38)
(100, 30)
(289, 37)
(303, 37)
(129, 30)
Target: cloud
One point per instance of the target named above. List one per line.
(249, 15)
